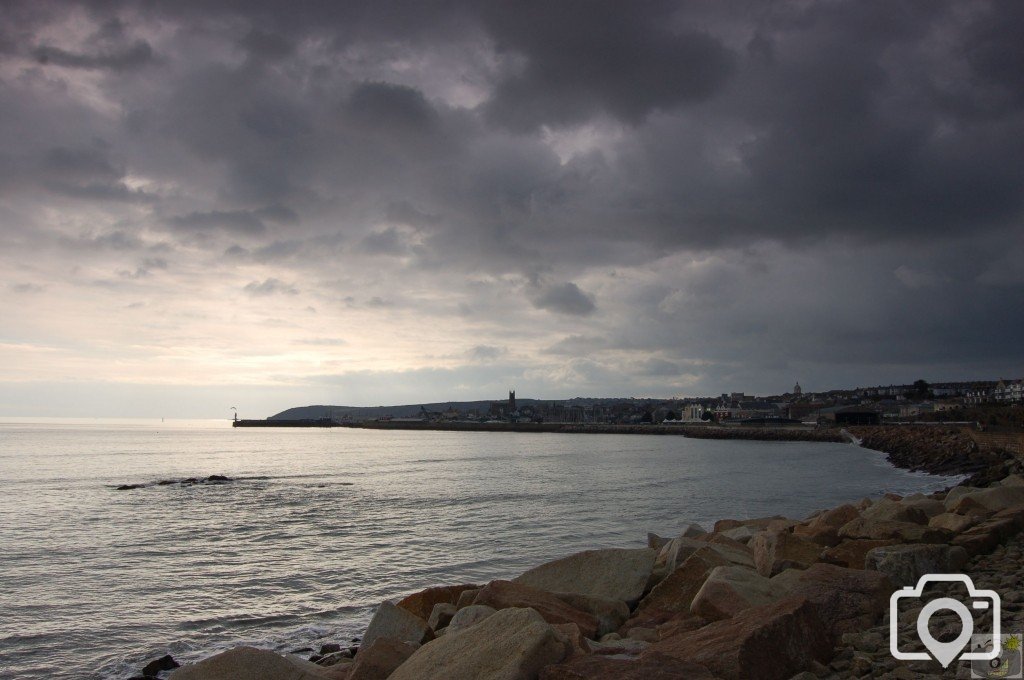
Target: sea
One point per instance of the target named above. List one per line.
(319, 526)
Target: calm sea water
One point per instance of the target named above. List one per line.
(322, 525)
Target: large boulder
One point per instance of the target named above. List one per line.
(758, 523)
(380, 659)
(396, 623)
(648, 667)
(729, 590)
(905, 564)
(771, 642)
(253, 664)
(512, 644)
(950, 521)
(905, 532)
(823, 529)
(675, 552)
(612, 573)
(506, 594)
(896, 511)
(611, 614)
(676, 592)
(985, 536)
(851, 553)
(732, 550)
(742, 533)
(441, 616)
(469, 616)
(776, 552)
(847, 599)
(422, 603)
(993, 499)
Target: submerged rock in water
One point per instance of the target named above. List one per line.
(164, 663)
(218, 479)
(129, 487)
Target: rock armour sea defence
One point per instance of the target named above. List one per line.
(765, 598)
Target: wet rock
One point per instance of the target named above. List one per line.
(130, 487)
(771, 642)
(613, 573)
(164, 663)
(218, 479)
(329, 648)
(396, 623)
(511, 643)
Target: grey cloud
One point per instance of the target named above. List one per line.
(135, 55)
(486, 352)
(270, 286)
(577, 345)
(395, 107)
(23, 288)
(566, 298)
(388, 241)
(235, 221)
(267, 45)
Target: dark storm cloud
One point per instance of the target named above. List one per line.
(566, 298)
(726, 189)
(583, 58)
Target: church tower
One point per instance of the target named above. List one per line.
(797, 390)
(511, 402)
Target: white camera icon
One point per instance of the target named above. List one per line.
(945, 652)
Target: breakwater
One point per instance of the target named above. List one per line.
(768, 598)
(939, 450)
(744, 432)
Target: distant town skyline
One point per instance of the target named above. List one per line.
(213, 204)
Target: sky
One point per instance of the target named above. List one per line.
(267, 204)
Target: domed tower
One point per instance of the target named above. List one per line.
(797, 390)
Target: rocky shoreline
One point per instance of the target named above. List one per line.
(938, 450)
(771, 598)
